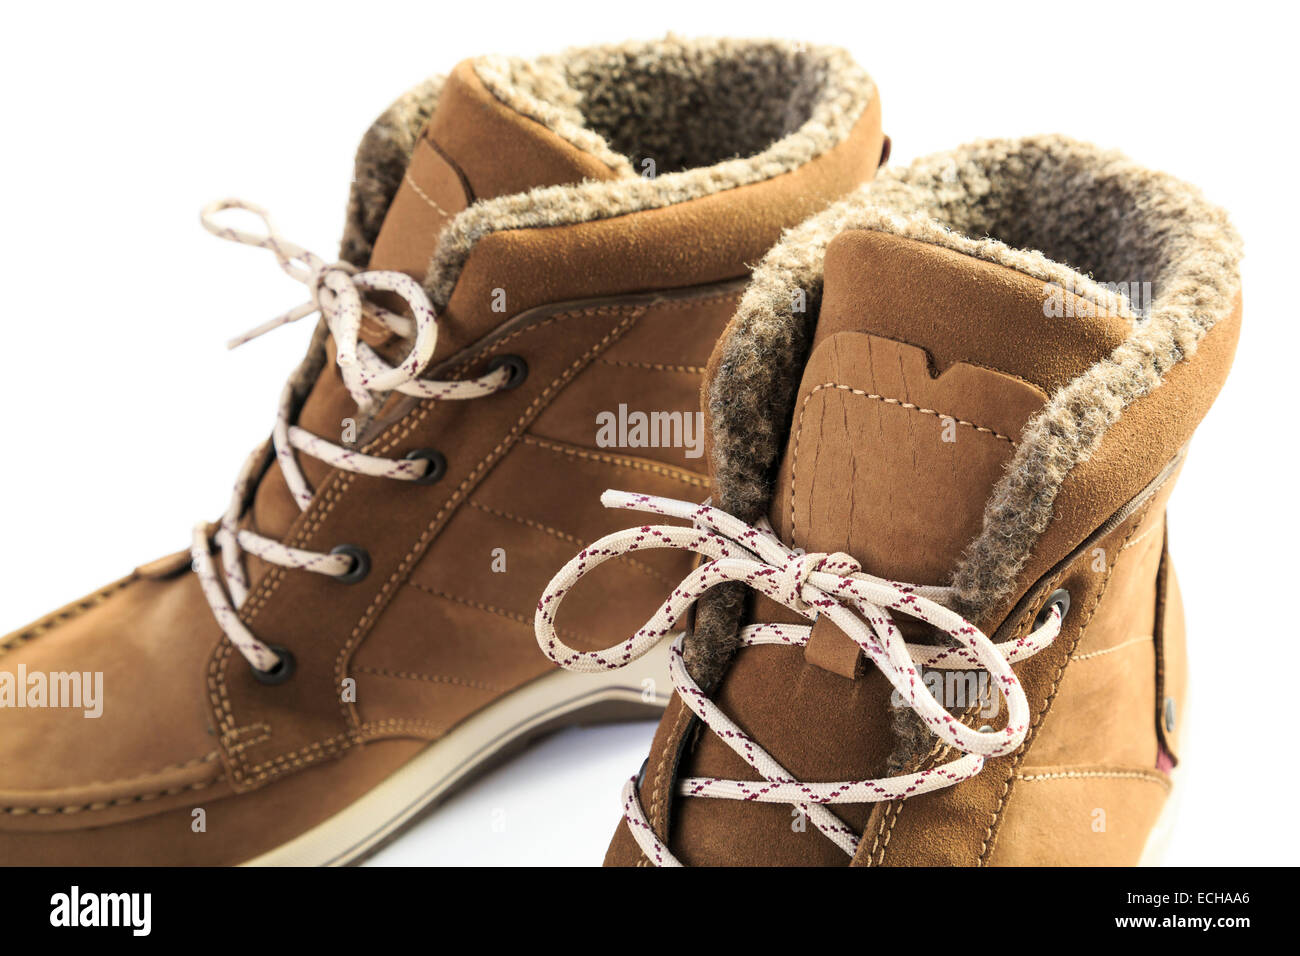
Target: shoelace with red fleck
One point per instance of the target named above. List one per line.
(337, 294)
(860, 604)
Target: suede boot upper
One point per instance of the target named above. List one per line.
(588, 220)
(980, 373)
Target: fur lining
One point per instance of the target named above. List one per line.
(712, 114)
(1035, 205)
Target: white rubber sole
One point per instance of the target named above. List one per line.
(556, 700)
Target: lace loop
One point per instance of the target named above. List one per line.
(860, 604)
(337, 293)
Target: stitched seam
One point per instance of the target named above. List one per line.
(1099, 774)
(302, 757)
(372, 729)
(333, 488)
(1131, 642)
(1158, 526)
(432, 678)
(803, 410)
(934, 369)
(682, 476)
(896, 807)
(995, 825)
(391, 722)
(242, 745)
(938, 750)
(491, 609)
(329, 496)
(240, 732)
(1006, 785)
(207, 758)
(239, 740)
(884, 833)
(636, 310)
(659, 823)
(336, 484)
(572, 539)
(655, 366)
(67, 614)
(108, 804)
(423, 195)
(673, 736)
(688, 302)
(908, 405)
(630, 315)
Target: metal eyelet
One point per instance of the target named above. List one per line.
(1060, 598)
(281, 671)
(437, 465)
(518, 370)
(360, 563)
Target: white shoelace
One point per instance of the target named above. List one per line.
(810, 584)
(336, 293)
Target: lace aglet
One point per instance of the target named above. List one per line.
(292, 315)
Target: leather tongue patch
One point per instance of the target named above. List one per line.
(431, 193)
(832, 650)
(892, 464)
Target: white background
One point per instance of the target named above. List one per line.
(125, 420)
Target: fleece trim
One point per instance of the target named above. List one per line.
(1053, 208)
(712, 115)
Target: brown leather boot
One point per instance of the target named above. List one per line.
(957, 408)
(353, 638)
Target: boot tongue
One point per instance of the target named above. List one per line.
(473, 148)
(925, 366)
